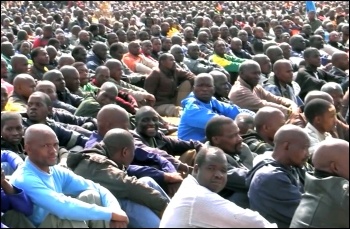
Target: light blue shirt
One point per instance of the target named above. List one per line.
(50, 193)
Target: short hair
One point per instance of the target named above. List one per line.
(78, 64)
(115, 47)
(164, 56)
(309, 52)
(214, 126)
(35, 52)
(52, 41)
(46, 98)
(9, 115)
(77, 49)
(316, 107)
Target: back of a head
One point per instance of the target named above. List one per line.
(35, 132)
(51, 74)
(109, 87)
(317, 95)
(117, 139)
(316, 107)
(331, 87)
(7, 116)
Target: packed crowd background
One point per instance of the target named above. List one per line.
(174, 114)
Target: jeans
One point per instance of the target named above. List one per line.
(8, 170)
(139, 215)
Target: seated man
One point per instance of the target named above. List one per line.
(290, 152)
(39, 106)
(169, 85)
(236, 48)
(311, 77)
(136, 61)
(326, 199)
(321, 117)
(239, 157)
(15, 206)
(247, 94)
(12, 133)
(106, 164)
(147, 134)
(222, 86)
(90, 107)
(63, 94)
(199, 65)
(196, 204)
(23, 87)
(98, 56)
(200, 106)
(51, 188)
(281, 83)
(340, 67)
(179, 55)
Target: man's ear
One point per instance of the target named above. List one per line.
(195, 169)
(124, 151)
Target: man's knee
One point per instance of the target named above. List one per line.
(149, 181)
(91, 197)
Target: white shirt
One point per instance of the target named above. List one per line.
(315, 137)
(196, 206)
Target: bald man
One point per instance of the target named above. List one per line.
(326, 200)
(200, 106)
(236, 48)
(98, 56)
(245, 122)
(49, 88)
(283, 170)
(340, 62)
(23, 87)
(19, 64)
(222, 86)
(54, 206)
(107, 162)
(248, 94)
(281, 83)
(72, 78)
(274, 53)
(90, 106)
(65, 60)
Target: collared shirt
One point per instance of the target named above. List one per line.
(193, 204)
(315, 136)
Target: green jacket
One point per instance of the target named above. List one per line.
(88, 108)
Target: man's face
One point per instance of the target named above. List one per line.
(81, 56)
(169, 63)
(43, 57)
(338, 99)
(236, 45)
(318, 42)
(157, 45)
(252, 75)
(328, 119)
(285, 74)
(3, 69)
(193, 52)
(25, 48)
(243, 36)
(147, 125)
(307, 29)
(220, 48)
(203, 89)
(59, 82)
(299, 152)
(103, 76)
(12, 131)
(37, 110)
(314, 59)
(212, 174)
(178, 55)
(102, 52)
(229, 141)
(83, 74)
(47, 89)
(166, 45)
(104, 98)
(222, 86)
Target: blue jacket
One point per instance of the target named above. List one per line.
(93, 61)
(18, 202)
(196, 114)
(145, 163)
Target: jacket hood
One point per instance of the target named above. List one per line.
(74, 158)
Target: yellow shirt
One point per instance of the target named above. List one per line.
(14, 107)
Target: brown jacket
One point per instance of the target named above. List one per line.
(244, 96)
(94, 164)
(163, 83)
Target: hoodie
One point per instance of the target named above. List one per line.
(94, 164)
(274, 191)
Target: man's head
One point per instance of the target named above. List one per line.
(193, 51)
(245, 122)
(321, 114)
(71, 77)
(264, 63)
(134, 48)
(107, 94)
(4, 73)
(340, 60)
(112, 116)
(11, 127)
(147, 122)
(312, 57)
(336, 91)
(223, 133)
(4, 97)
(7, 49)
(41, 145)
(203, 37)
(220, 47)
(65, 59)
(146, 47)
(115, 69)
(210, 168)
(250, 72)
(117, 51)
(48, 88)
(267, 121)
(79, 54)
(291, 146)
(56, 77)
(332, 156)
(286, 48)
(221, 85)
(24, 85)
(39, 107)
(101, 50)
(316, 41)
(120, 146)
(178, 53)
(318, 95)
(102, 75)
(39, 56)
(167, 61)
(298, 43)
(203, 87)
(236, 44)
(274, 53)
(19, 63)
(84, 36)
(283, 71)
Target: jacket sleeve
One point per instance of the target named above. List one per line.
(152, 82)
(228, 65)
(179, 147)
(76, 99)
(12, 158)
(197, 116)
(146, 171)
(227, 109)
(20, 202)
(121, 101)
(142, 155)
(308, 83)
(236, 179)
(65, 106)
(185, 75)
(68, 138)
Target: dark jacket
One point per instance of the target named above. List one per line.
(63, 105)
(325, 203)
(63, 116)
(94, 164)
(19, 149)
(163, 84)
(69, 98)
(308, 82)
(66, 138)
(274, 191)
(93, 61)
(255, 143)
(345, 81)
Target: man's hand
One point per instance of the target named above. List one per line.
(150, 99)
(172, 177)
(119, 216)
(172, 188)
(117, 224)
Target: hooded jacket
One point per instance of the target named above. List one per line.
(94, 164)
